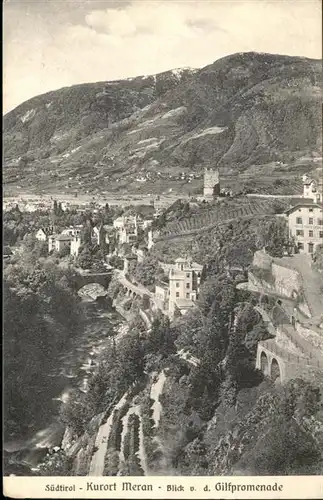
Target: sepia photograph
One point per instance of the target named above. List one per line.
(162, 242)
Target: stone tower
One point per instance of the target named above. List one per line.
(211, 183)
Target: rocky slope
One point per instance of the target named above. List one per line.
(152, 133)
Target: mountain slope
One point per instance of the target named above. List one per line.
(245, 109)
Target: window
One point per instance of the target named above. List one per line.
(310, 220)
(187, 295)
(299, 220)
(299, 232)
(188, 275)
(300, 246)
(310, 234)
(177, 284)
(321, 234)
(188, 285)
(320, 222)
(177, 294)
(310, 209)
(310, 248)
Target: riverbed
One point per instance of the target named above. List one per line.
(72, 370)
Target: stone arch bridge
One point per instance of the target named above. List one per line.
(84, 278)
(134, 291)
(281, 365)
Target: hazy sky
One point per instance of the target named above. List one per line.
(49, 44)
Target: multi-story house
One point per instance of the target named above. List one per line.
(127, 229)
(184, 285)
(312, 190)
(161, 298)
(58, 242)
(305, 222)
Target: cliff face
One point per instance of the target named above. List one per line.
(245, 109)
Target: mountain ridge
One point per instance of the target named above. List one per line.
(144, 133)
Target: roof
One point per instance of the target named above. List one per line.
(304, 204)
(160, 284)
(63, 237)
(299, 200)
(180, 259)
(47, 230)
(182, 303)
(196, 266)
(176, 274)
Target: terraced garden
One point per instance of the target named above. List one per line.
(219, 215)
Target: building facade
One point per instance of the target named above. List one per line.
(312, 190)
(127, 229)
(58, 242)
(76, 243)
(305, 222)
(184, 285)
(162, 297)
(44, 233)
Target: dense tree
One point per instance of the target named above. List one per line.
(318, 257)
(148, 271)
(274, 238)
(56, 464)
(161, 337)
(285, 446)
(39, 301)
(116, 262)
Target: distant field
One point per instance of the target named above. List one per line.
(102, 199)
(270, 178)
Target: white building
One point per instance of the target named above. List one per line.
(44, 233)
(305, 223)
(58, 242)
(183, 288)
(76, 243)
(161, 298)
(127, 229)
(312, 190)
(99, 235)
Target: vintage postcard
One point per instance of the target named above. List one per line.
(163, 249)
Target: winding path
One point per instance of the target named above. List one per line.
(101, 442)
(155, 392)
